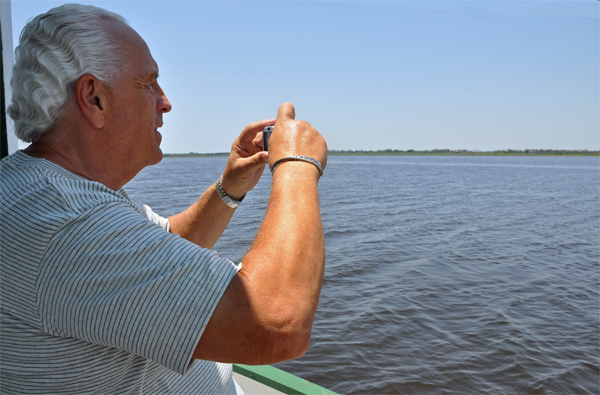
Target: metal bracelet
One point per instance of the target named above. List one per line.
(300, 158)
(228, 200)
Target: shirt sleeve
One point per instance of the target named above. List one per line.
(157, 219)
(110, 277)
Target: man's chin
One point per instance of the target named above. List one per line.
(159, 153)
(158, 157)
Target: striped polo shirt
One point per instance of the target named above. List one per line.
(96, 296)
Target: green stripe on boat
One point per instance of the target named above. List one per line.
(280, 380)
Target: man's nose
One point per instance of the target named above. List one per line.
(163, 104)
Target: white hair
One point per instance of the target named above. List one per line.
(55, 49)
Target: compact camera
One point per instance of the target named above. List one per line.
(266, 136)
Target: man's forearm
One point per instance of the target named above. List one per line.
(284, 268)
(203, 222)
(290, 247)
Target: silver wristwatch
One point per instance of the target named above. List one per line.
(228, 200)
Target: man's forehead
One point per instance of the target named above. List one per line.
(119, 29)
(125, 35)
(134, 47)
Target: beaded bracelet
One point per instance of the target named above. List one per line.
(301, 158)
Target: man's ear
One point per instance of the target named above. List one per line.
(90, 95)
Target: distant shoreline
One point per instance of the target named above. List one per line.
(445, 152)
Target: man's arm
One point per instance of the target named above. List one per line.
(266, 314)
(204, 222)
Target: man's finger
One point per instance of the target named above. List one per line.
(252, 129)
(252, 163)
(286, 111)
(259, 159)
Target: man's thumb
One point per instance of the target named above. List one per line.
(286, 111)
(257, 160)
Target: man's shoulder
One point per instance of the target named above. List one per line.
(40, 185)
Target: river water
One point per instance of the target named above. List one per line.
(445, 274)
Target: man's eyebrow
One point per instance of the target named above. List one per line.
(152, 76)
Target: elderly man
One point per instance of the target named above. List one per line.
(99, 293)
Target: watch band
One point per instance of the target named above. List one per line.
(228, 200)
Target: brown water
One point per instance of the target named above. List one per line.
(444, 274)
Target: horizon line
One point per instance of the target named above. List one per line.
(528, 151)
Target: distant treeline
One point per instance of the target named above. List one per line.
(195, 155)
(531, 152)
(527, 152)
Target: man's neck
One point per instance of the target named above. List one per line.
(38, 150)
(76, 159)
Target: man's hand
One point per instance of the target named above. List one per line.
(204, 222)
(291, 137)
(246, 161)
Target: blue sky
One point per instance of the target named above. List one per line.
(477, 75)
